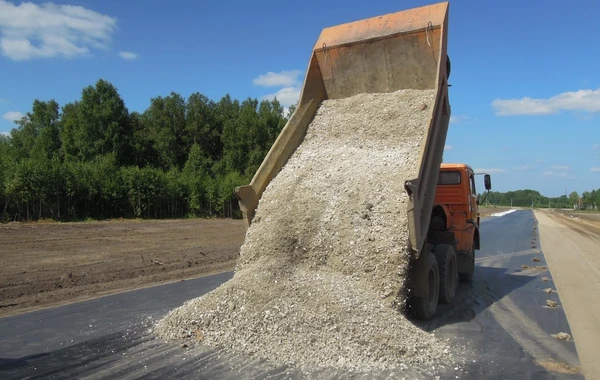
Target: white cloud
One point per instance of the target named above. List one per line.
(288, 80)
(448, 147)
(286, 96)
(581, 100)
(490, 171)
(595, 170)
(524, 167)
(457, 119)
(47, 30)
(561, 167)
(555, 174)
(280, 79)
(5, 134)
(12, 115)
(127, 55)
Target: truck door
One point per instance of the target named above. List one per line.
(473, 197)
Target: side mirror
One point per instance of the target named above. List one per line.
(487, 180)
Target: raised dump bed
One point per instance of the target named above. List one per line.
(384, 54)
(346, 195)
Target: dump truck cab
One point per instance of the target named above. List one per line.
(455, 206)
(452, 239)
(455, 215)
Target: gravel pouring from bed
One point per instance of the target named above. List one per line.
(319, 276)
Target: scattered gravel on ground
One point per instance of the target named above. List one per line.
(319, 278)
(562, 336)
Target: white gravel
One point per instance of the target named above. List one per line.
(319, 278)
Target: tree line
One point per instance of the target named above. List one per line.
(92, 158)
(533, 198)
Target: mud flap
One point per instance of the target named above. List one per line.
(466, 265)
(464, 261)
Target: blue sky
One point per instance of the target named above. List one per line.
(525, 89)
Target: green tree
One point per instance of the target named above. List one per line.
(291, 110)
(6, 163)
(143, 147)
(92, 158)
(102, 124)
(197, 177)
(165, 120)
(202, 126)
(574, 198)
(46, 118)
(69, 131)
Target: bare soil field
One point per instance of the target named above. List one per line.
(571, 249)
(48, 264)
(584, 215)
(56, 263)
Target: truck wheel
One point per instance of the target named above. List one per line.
(425, 307)
(446, 258)
(469, 274)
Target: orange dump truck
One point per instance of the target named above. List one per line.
(402, 50)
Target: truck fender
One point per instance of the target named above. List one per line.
(440, 220)
(476, 241)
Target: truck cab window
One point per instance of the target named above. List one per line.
(473, 190)
(449, 178)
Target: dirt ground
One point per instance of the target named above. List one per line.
(56, 263)
(571, 249)
(585, 215)
(49, 264)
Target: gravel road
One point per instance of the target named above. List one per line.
(572, 251)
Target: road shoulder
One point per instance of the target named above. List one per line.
(571, 251)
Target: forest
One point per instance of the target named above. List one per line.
(92, 158)
(532, 198)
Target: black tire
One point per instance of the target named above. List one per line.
(424, 308)
(448, 264)
(470, 273)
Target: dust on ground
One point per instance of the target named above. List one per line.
(47, 264)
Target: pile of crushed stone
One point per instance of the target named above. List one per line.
(320, 276)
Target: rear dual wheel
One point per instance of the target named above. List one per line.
(448, 265)
(424, 307)
(442, 281)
